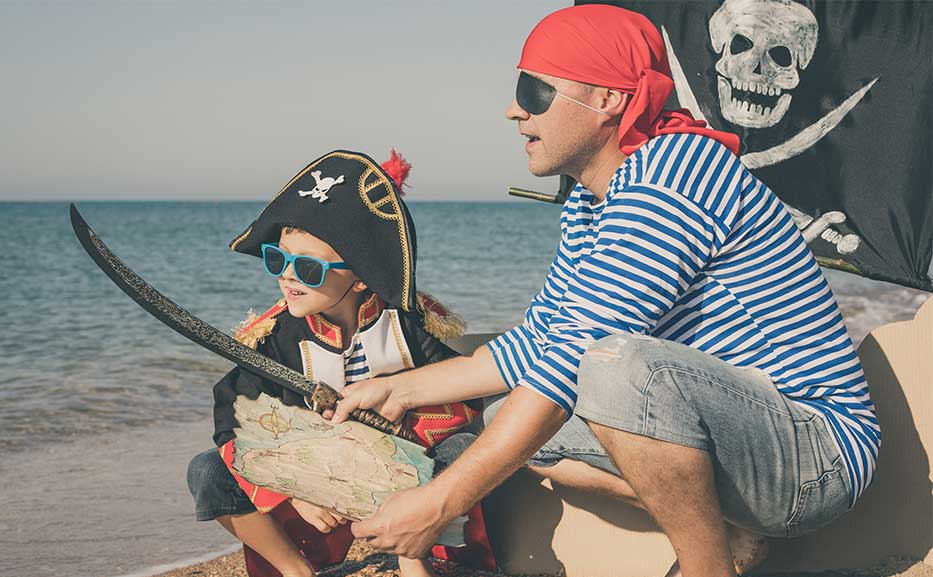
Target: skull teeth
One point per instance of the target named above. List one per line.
(763, 89)
(749, 107)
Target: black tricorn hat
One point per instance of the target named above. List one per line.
(347, 200)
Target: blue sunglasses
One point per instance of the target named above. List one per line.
(309, 271)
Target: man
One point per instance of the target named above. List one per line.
(685, 339)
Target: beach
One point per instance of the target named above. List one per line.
(362, 562)
(103, 406)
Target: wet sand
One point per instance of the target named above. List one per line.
(104, 505)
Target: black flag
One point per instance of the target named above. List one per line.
(833, 103)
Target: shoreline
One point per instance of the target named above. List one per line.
(186, 565)
(105, 505)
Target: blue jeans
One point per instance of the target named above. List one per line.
(216, 493)
(777, 469)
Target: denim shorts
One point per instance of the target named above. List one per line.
(778, 471)
(216, 493)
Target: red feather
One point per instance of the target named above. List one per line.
(397, 168)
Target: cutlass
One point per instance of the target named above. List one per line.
(319, 396)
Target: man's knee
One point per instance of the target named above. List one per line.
(629, 383)
(616, 369)
(626, 357)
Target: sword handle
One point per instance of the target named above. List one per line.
(324, 397)
(377, 421)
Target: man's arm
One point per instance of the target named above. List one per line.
(410, 521)
(456, 379)
(492, 369)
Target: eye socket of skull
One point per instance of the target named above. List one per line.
(740, 44)
(765, 23)
(781, 56)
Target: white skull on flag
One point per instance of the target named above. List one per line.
(762, 43)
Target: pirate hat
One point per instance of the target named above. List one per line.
(353, 204)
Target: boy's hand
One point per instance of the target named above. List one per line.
(322, 519)
(377, 394)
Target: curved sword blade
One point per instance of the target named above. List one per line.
(188, 325)
(808, 136)
(180, 320)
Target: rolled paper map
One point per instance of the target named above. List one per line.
(348, 468)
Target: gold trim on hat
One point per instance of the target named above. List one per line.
(364, 188)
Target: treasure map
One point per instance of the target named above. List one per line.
(349, 468)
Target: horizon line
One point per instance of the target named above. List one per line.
(506, 200)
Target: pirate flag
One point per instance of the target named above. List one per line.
(353, 204)
(832, 101)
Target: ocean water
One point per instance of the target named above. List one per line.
(79, 358)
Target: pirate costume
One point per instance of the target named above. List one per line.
(354, 204)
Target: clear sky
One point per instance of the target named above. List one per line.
(228, 100)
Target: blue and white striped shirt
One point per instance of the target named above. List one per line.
(355, 365)
(689, 246)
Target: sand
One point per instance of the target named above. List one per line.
(362, 561)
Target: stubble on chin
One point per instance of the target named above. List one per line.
(541, 168)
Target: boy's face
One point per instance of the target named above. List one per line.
(302, 300)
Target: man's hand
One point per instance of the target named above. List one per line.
(380, 395)
(408, 523)
(322, 519)
(456, 379)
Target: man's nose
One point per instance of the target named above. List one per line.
(516, 112)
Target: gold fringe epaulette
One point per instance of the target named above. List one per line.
(254, 328)
(438, 319)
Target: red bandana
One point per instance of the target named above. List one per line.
(615, 48)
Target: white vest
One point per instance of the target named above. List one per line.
(383, 343)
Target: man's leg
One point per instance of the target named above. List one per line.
(575, 458)
(699, 440)
(748, 549)
(579, 475)
(675, 483)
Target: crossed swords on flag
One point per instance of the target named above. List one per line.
(811, 227)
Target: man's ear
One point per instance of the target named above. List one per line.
(615, 101)
(359, 286)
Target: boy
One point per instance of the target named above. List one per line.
(341, 243)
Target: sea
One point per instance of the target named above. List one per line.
(82, 366)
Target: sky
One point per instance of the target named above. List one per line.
(228, 100)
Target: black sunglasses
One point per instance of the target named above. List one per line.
(535, 96)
